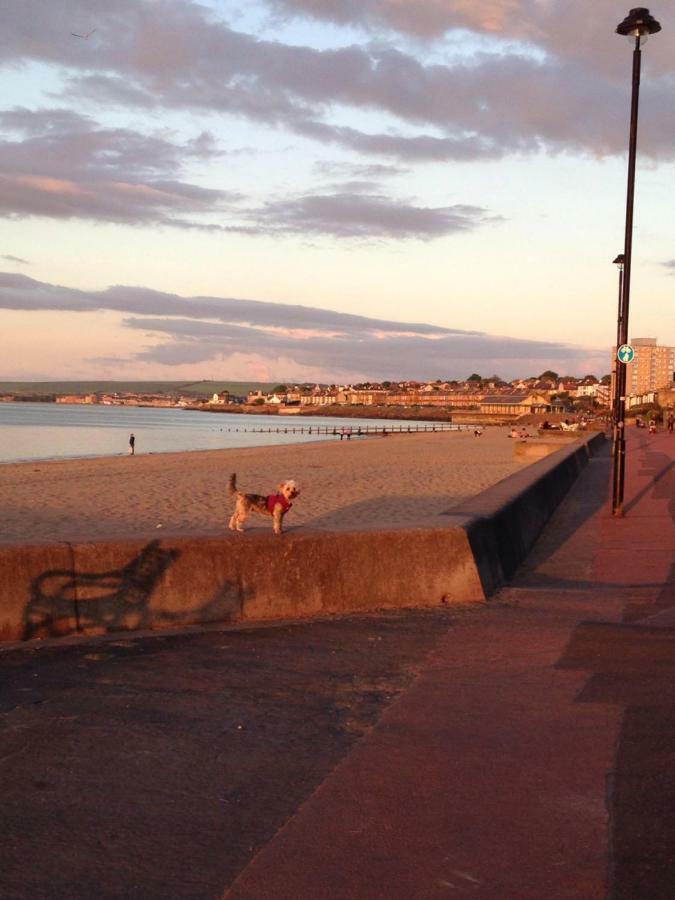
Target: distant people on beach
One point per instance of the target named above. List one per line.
(346, 432)
(514, 432)
(670, 421)
(132, 444)
(477, 432)
(652, 425)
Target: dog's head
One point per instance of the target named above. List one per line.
(289, 489)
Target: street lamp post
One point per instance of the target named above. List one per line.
(618, 262)
(638, 24)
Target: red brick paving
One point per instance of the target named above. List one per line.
(534, 757)
(523, 750)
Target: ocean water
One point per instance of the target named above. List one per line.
(32, 431)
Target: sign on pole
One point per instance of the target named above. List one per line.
(625, 354)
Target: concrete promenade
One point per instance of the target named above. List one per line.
(520, 749)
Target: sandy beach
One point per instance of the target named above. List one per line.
(400, 481)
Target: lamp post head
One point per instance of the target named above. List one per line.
(638, 23)
(619, 261)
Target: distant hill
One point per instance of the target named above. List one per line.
(192, 388)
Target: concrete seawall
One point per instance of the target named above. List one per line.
(504, 521)
(58, 589)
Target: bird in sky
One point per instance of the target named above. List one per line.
(88, 34)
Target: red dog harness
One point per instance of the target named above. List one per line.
(273, 499)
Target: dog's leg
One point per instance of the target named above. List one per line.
(277, 517)
(241, 514)
(233, 517)
(238, 516)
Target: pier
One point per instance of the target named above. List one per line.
(357, 430)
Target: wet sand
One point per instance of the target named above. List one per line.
(400, 481)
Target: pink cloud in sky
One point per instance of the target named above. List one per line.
(191, 335)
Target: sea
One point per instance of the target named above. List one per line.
(40, 431)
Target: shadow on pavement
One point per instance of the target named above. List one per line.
(157, 767)
(542, 568)
(633, 666)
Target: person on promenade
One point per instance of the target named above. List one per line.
(652, 425)
(132, 444)
(671, 421)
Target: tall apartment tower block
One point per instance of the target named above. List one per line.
(653, 367)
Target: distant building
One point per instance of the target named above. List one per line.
(77, 398)
(354, 397)
(567, 385)
(653, 367)
(645, 399)
(666, 398)
(602, 394)
(514, 404)
(449, 399)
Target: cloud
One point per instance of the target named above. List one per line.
(406, 148)
(351, 214)
(369, 171)
(571, 30)
(424, 18)
(546, 76)
(16, 259)
(182, 331)
(61, 164)
(23, 293)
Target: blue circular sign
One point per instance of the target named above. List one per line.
(625, 353)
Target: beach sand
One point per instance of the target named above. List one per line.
(400, 481)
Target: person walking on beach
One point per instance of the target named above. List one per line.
(671, 421)
(132, 444)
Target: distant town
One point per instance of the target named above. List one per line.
(650, 380)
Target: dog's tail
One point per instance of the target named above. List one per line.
(232, 485)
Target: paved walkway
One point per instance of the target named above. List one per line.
(521, 750)
(535, 755)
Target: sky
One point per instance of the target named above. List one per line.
(327, 190)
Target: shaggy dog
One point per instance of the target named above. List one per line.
(274, 505)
